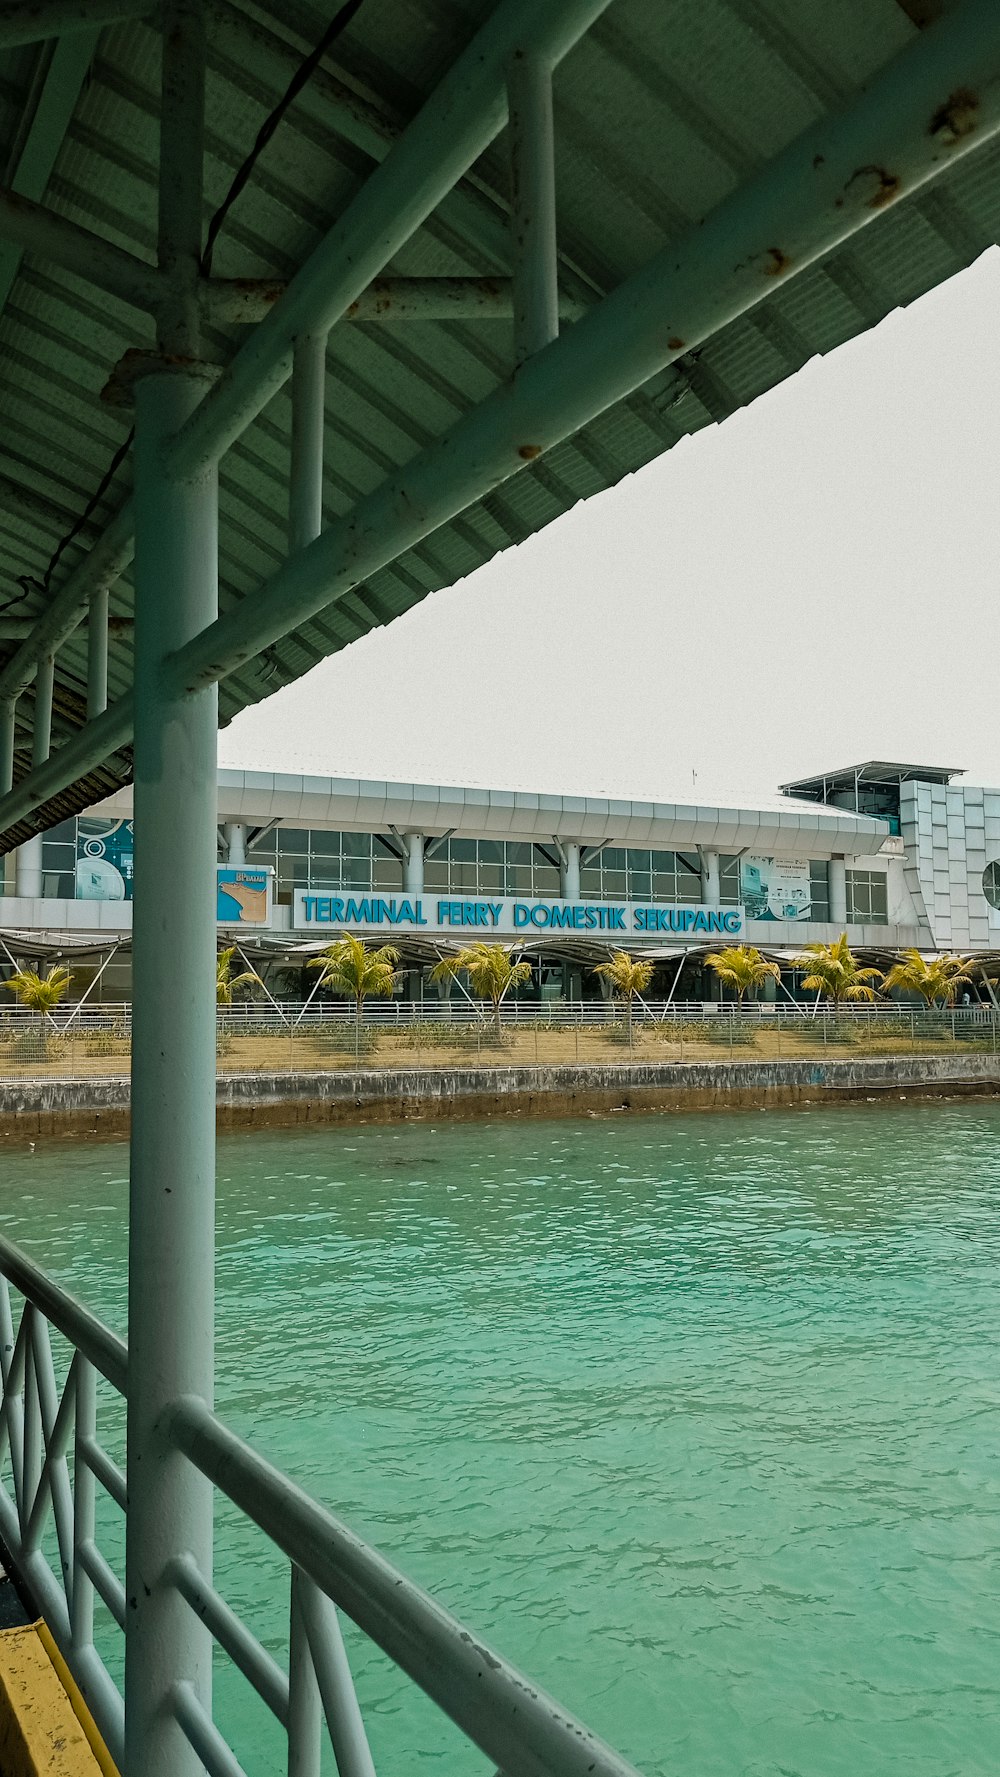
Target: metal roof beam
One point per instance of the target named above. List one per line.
(934, 102)
(462, 117)
(107, 559)
(32, 21)
(225, 301)
(35, 229)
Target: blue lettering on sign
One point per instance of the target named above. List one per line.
(732, 922)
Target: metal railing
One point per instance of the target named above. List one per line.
(51, 1463)
(282, 1015)
(282, 1040)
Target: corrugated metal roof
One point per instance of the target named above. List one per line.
(660, 112)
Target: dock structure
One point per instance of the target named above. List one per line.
(335, 378)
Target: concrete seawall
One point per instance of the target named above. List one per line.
(77, 1107)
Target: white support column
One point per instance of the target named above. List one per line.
(413, 864)
(569, 870)
(838, 891)
(97, 653)
(236, 843)
(710, 883)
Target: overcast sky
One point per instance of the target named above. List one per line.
(811, 584)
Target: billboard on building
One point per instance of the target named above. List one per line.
(243, 894)
(775, 888)
(104, 857)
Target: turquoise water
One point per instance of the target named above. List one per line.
(698, 1419)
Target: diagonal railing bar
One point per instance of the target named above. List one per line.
(58, 1427)
(54, 1483)
(105, 1350)
(31, 1449)
(215, 1753)
(103, 1468)
(243, 1648)
(105, 1582)
(15, 1350)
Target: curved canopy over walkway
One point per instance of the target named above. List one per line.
(690, 203)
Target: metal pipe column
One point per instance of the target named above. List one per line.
(8, 718)
(168, 1650)
(28, 859)
(533, 204)
(172, 1197)
(97, 653)
(305, 484)
(45, 679)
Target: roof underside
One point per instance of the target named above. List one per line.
(654, 126)
(873, 771)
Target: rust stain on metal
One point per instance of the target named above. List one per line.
(675, 343)
(957, 118)
(882, 186)
(528, 452)
(777, 263)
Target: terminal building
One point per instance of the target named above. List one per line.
(895, 855)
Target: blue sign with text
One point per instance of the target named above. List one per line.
(511, 918)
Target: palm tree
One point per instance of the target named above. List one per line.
(349, 967)
(933, 978)
(40, 993)
(832, 970)
(628, 976)
(491, 972)
(742, 968)
(226, 982)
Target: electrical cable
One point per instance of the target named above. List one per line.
(303, 74)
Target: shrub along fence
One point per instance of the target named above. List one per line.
(96, 1042)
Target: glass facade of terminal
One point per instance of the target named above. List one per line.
(313, 858)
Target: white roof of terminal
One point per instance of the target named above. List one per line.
(777, 826)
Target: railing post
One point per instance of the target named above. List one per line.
(168, 1651)
(305, 1719)
(82, 1599)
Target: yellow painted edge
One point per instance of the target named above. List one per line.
(105, 1763)
(40, 1733)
